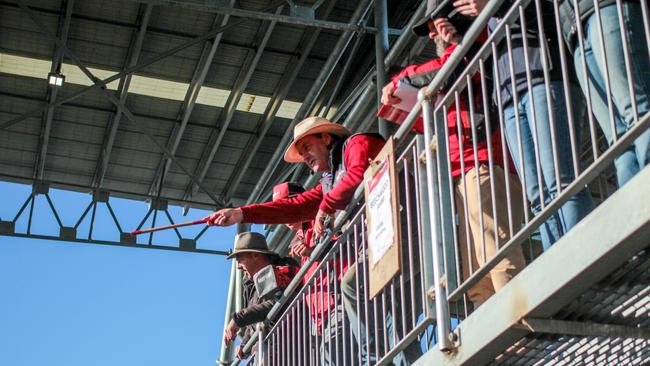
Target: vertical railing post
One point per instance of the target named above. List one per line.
(261, 346)
(441, 304)
(426, 244)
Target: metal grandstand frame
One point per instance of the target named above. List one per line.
(326, 92)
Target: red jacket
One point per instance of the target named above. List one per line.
(304, 207)
(320, 298)
(358, 151)
(427, 71)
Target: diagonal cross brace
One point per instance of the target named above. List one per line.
(127, 113)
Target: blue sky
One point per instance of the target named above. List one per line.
(69, 304)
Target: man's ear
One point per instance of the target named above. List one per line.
(327, 139)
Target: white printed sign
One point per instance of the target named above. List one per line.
(381, 230)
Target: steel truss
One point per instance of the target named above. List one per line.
(98, 199)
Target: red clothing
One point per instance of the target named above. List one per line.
(320, 298)
(360, 149)
(427, 71)
(305, 206)
(284, 275)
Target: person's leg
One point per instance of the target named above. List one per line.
(333, 346)
(640, 71)
(519, 134)
(352, 294)
(405, 312)
(481, 291)
(627, 164)
(554, 144)
(488, 232)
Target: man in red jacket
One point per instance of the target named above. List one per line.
(478, 227)
(327, 148)
(316, 142)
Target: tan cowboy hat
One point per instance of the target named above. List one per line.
(312, 126)
(249, 242)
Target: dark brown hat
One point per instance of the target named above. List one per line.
(250, 242)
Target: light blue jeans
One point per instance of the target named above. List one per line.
(579, 205)
(638, 155)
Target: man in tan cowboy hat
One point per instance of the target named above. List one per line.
(266, 276)
(330, 149)
(327, 148)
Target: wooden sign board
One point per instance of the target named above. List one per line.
(382, 218)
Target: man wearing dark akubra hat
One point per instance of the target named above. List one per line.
(266, 275)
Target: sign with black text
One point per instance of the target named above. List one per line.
(382, 212)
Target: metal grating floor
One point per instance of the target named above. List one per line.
(622, 298)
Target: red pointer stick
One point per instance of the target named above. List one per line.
(196, 222)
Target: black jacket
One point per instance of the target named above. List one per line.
(548, 38)
(569, 17)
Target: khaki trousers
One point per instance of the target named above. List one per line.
(480, 237)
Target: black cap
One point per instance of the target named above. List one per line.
(442, 9)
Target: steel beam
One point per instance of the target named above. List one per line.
(222, 8)
(122, 91)
(127, 113)
(310, 99)
(102, 83)
(57, 60)
(236, 93)
(137, 115)
(582, 329)
(114, 243)
(391, 59)
(200, 72)
(561, 274)
(273, 107)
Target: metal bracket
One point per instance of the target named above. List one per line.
(187, 243)
(68, 233)
(7, 227)
(101, 195)
(127, 238)
(41, 187)
(454, 337)
(158, 204)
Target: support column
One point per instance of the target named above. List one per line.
(381, 47)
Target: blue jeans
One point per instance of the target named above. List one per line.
(579, 205)
(638, 155)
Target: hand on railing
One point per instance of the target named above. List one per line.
(322, 222)
(231, 332)
(300, 249)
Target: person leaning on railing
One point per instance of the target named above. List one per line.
(321, 299)
(527, 118)
(637, 156)
(266, 275)
(484, 243)
(330, 149)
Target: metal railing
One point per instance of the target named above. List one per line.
(479, 190)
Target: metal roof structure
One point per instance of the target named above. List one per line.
(185, 102)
